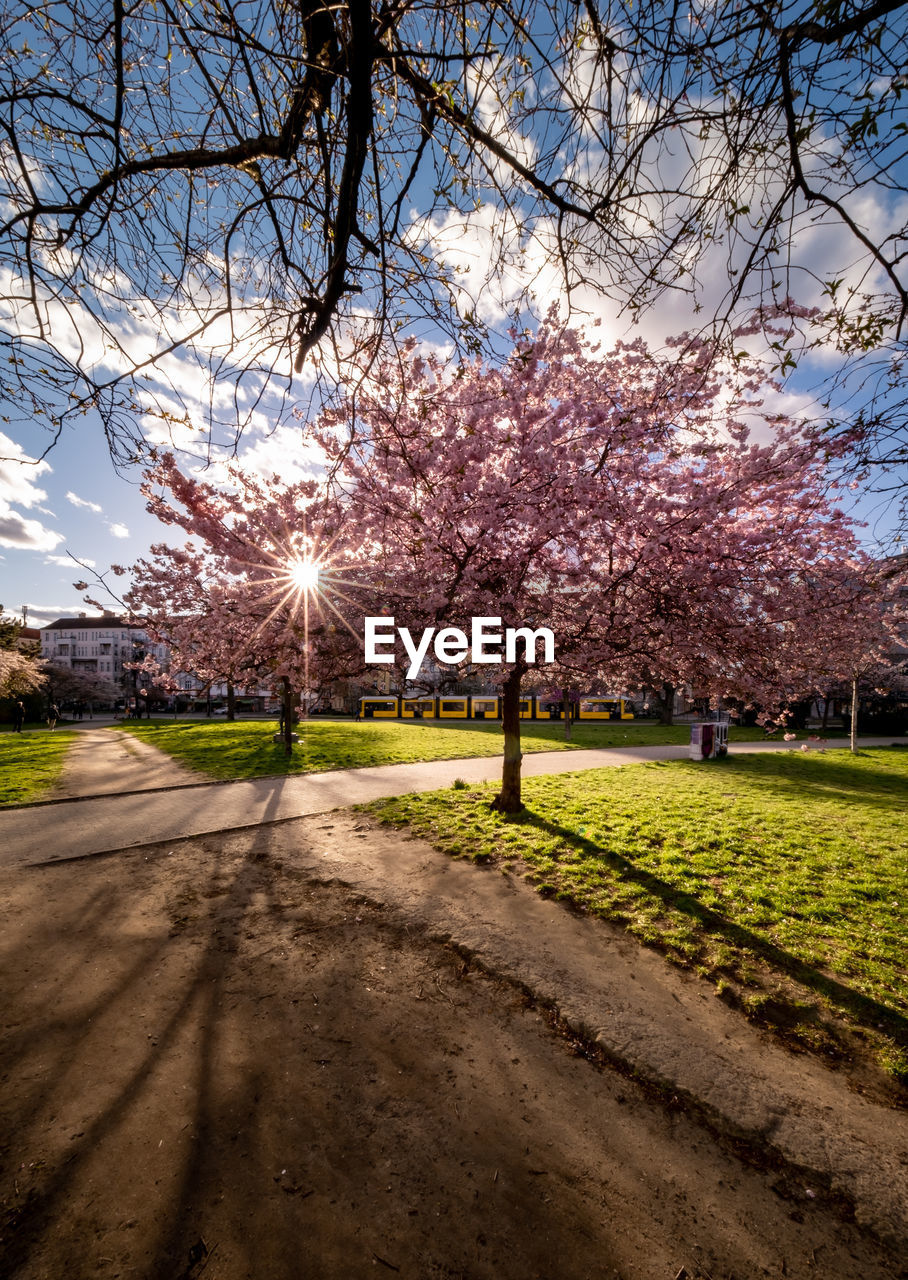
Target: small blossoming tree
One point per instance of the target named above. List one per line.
(241, 599)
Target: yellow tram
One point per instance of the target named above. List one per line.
(484, 706)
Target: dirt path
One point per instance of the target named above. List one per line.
(222, 1057)
(111, 762)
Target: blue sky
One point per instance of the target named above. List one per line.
(74, 502)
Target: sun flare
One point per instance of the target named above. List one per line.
(304, 574)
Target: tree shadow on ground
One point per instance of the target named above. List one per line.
(198, 1077)
(863, 1008)
(130, 1070)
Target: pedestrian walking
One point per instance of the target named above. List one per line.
(53, 715)
(18, 717)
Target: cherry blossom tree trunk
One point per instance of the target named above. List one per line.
(508, 799)
(231, 701)
(287, 702)
(665, 702)
(566, 711)
(854, 713)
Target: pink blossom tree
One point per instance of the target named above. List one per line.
(861, 644)
(19, 673)
(21, 668)
(613, 497)
(617, 499)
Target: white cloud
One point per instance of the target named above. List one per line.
(68, 563)
(82, 502)
(18, 488)
(118, 530)
(491, 259)
(17, 474)
(18, 531)
(496, 117)
(39, 615)
(281, 454)
(219, 376)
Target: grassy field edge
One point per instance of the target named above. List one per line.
(780, 878)
(245, 749)
(31, 764)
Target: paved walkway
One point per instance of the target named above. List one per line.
(101, 823)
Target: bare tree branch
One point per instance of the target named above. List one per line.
(210, 191)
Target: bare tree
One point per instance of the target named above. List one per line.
(249, 190)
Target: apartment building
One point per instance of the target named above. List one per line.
(103, 646)
(98, 645)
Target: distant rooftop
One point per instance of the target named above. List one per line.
(84, 623)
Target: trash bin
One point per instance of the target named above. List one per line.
(708, 739)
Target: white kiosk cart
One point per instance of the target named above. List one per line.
(709, 738)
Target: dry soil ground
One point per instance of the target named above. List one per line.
(216, 1063)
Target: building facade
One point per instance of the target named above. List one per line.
(99, 646)
(106, 646)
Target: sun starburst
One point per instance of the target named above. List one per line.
(304, 574)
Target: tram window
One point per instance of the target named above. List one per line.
(452, 706)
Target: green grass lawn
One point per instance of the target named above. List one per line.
(776, 864)
(30, 764)
(244, 749)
